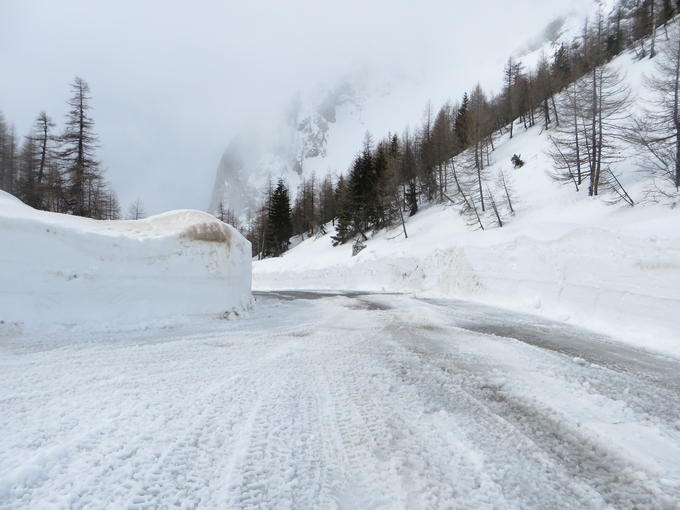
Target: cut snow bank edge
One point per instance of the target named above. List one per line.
(62, 269)
(620, 285)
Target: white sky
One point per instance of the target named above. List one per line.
(172, 81)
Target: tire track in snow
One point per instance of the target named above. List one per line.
(575, 470)
(326, 404)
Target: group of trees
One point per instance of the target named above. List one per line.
(58, 172)
(657, 131)
(270, 229)
(575, 94)
(598, 126)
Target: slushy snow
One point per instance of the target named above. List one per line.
(65, 269)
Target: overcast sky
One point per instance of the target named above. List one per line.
(172, 82)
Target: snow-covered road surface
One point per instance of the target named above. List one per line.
(345, 401)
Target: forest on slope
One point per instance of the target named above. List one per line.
(574, 92)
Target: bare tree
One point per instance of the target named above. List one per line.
(657, 132)
(8, 157)
(42, 134)
(594, 109)
(136, 210)
(504, 182)
(476, 158)
(567, 149)
(511, 71)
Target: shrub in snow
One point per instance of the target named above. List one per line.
(517, 161)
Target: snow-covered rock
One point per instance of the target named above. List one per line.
(63, 269)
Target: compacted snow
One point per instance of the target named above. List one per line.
(64, 269)
(349, 401)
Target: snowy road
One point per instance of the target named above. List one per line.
(354, 401)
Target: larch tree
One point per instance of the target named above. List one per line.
(511, 71)
(595, 107)
(657, 132)
(78, 144)
(36, 153)
(9, 157)
(42, 134)
(479, 128)
(136, 210)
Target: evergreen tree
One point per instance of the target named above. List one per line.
(343, 230)
(461, 127)
(280, 222)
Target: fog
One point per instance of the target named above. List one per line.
(172, 82)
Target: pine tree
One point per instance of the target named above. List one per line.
(280, 223)
(461, 127)
(342, 229)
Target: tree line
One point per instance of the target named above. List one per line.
(58, 172)
(575, 94)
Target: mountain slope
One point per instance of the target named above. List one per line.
(563, 255)
(323, 126)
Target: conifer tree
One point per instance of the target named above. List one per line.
(280, 222)
(461, 127)
(78, 145)
(42, 134)
(136, 210)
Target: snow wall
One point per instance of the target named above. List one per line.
(618, 284)
(57, 268)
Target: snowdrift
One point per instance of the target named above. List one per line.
(621, 282)
(63, 269)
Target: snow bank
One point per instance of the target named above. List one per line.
(63, 269)
(617, 281)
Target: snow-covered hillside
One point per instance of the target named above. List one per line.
(324, 125)
(64, 269)
(564, 255)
